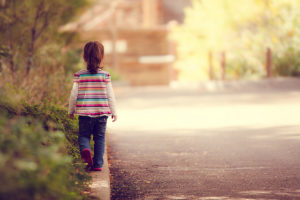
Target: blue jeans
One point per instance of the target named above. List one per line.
(97, 127)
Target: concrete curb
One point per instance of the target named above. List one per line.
(212, 86)
(100, 186)
(283, 83)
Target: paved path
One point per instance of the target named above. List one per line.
(194, 144)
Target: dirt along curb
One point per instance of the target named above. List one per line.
(100, 186)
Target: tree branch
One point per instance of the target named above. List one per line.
(45, 24)
(39, 12)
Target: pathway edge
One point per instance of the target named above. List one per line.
(100, 185)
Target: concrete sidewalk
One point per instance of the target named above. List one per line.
(100, 186)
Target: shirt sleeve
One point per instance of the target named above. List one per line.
(76, 78)
(73, 98)
(111, 98)
(107, 78)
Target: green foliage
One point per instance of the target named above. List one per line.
(34, 164)
(56, 118)
(39, 151)
(240, 68)
(244, 30)
(287, 64)
(33, 56)
(27, 26)
(72, 60)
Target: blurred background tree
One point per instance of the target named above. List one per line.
(28, 26)
(244, 30)
(32, 51)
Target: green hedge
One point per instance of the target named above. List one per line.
(56, 118)
(39, 155)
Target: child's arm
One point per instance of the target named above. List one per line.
(111, 100)
(72, 100)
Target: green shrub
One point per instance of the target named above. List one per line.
(287, 63)
(56, 118)
(51, 116)
(34, 163)
(39, 152)
(241, 68)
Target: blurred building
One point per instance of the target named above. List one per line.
(135, 36)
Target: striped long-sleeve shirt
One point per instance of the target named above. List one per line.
(92, 94)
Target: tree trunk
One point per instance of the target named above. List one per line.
(36, 32)
(269, 63)
(30, 51)
(11, 53)
(210, 66)
(223, 65)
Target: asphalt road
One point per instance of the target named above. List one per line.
(196, 144)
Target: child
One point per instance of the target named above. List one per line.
(92, 98)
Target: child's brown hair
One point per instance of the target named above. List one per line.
(93, 55)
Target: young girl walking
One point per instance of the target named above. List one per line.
(92, 99)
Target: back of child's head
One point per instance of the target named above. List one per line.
(93, 55)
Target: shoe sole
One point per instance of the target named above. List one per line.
(87, 157)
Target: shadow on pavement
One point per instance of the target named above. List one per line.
(229, 163)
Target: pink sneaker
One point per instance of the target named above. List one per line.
(97, 169)
(86, 156)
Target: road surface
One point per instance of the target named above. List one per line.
(194, 143)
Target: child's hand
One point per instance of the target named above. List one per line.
(71, 116)
(114, 118)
